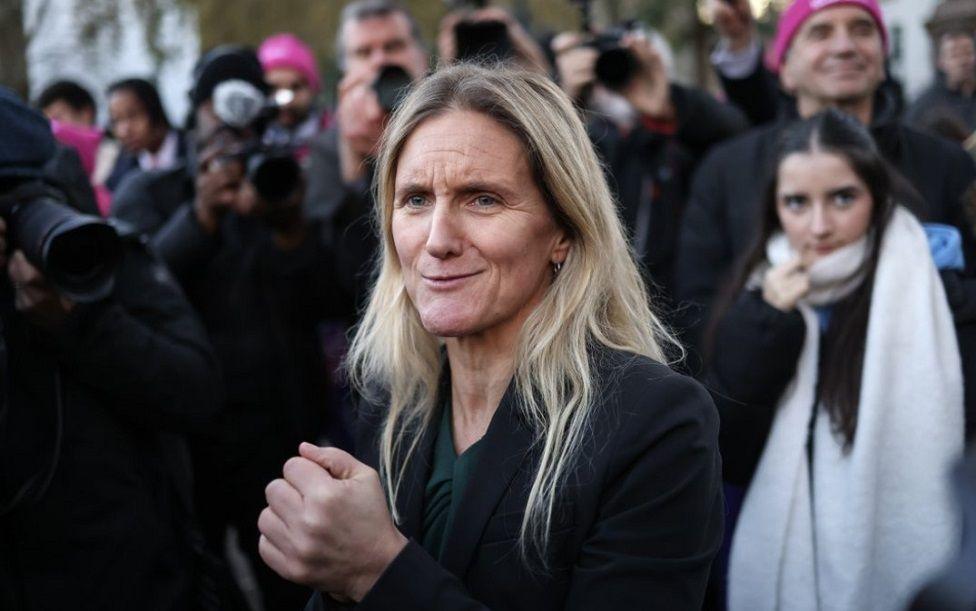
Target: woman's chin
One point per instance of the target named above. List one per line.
(447, 326)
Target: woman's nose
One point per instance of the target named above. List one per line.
(820, 221)
(444, 238)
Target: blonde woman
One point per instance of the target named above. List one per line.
(521, 444)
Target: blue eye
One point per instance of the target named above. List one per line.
(415, 201)
(794, 203)
(485, 201)
(845, 198)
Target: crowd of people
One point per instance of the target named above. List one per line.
(533, 327)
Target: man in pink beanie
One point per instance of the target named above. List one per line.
(290, 69)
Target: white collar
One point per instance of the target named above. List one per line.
(165, 158)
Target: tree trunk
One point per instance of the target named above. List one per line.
(13, 47)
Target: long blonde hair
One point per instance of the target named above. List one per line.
(597, 299)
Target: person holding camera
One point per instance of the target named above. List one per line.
(235, 236)
(650, 131)
(488, 33)
(104, 368)
(380, 52)
(292, 73)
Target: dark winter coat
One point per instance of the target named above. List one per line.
(650, 170)
(637, 528)
(104, 401)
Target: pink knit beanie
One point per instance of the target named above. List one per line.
(800, 10)
(288, 51)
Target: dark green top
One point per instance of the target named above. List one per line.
(448, 478)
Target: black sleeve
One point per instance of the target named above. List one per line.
(753, 359)
(183, 244)
(660, 520)
(147, 200)
(703, 121)
(306, 278)
(144, 348)
(758, 95)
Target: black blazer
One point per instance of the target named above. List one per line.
(636, 525)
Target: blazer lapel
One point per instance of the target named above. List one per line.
(505, 445)
(410, 500)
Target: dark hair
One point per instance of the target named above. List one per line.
(842, 358)
(148, 96)
(69, 92)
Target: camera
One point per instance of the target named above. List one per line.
(479, 40)
(272, 170)
(77, 253)
(391, 85)
(615, 65)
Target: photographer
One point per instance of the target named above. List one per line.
(650, 132)
(96, 393)
(291, 71)
(251, 266)
(373, 35)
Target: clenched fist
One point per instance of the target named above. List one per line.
(327, 524)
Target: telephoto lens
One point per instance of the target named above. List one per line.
(77, 253)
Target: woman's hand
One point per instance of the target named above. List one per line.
(327, 524)
(786, 284)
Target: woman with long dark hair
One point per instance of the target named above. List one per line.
(838, 369)
(139, 123)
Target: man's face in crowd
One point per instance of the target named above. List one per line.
(836, 58)
(957, 59)
(385, 39)
(296, 111)
(62, 112)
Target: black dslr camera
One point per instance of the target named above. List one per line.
(479, 40)
(615, 66)
(272, 170)
(77, 253)
(391, 85)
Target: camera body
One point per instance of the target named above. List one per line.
(615, 66)
(391, 85)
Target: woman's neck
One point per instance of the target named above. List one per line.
(481, 370)
(157, 144)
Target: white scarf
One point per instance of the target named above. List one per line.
(877, 521)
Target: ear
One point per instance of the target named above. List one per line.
(561, 248)
(786, 77)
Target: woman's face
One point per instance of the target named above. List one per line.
(130, 121)
(474, 236)
(821, 203)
